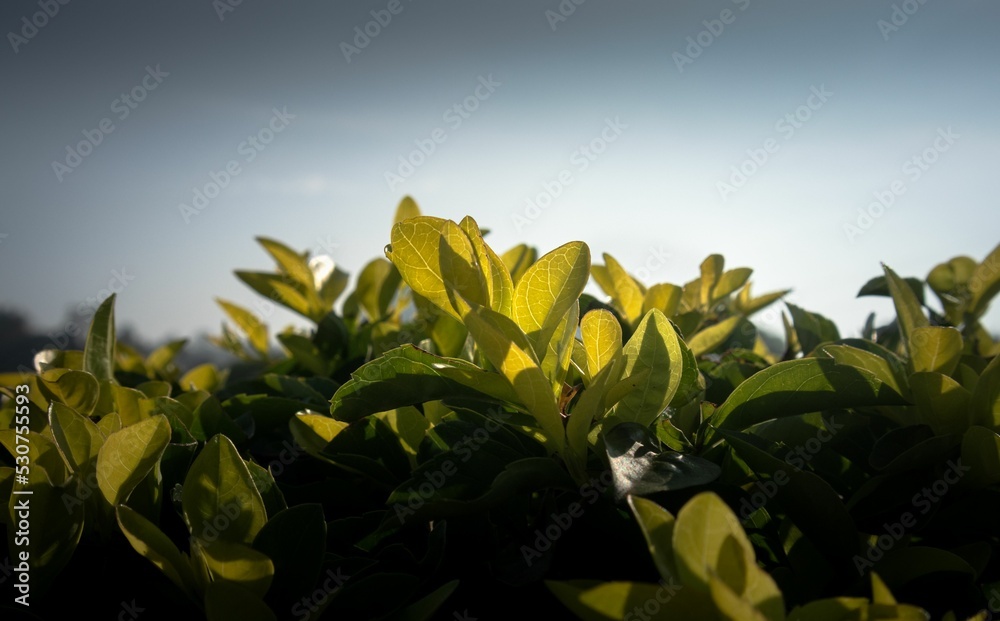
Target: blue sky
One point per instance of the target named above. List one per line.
(622, 123)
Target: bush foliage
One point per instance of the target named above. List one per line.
(472, 434)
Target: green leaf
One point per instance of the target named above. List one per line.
(410, 426)
(986, 396)
(435, 258)
(99, 351)
(708, 339)
(711, 548)
(219, 490)
(377, 283)
(290, 263)
(624, 290)
(408, 376)
(936, 349)
(77, 389)
(128, 455)
(559, 350)
(251, 326)
(267, 487)
(237, 564)
(942, 402)
(658, 527)
(278, 288)
(985, 283)
(313, 431)
(406, 209)
(202, 377)
(909, 313)
(731, 606)
(653, 348)
(78, 438)
(832, 609)
(152, 543)
(879, 286)
(602, 339)
(499, 287)
(800, 386)
(747, 306)
(548, 290)
(508, 349)
(210, 419)
(730, 281)
(711, 271)
(811, 329)
(809, 501)
(154, 389)
(879, 366)
(614, 601)
(42, 452)
(161, 359)
(517, 260)
(592, 405)
(707, 540)
(329, 281)
(369, 447)
(665, 297)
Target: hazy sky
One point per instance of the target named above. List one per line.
(623, 123)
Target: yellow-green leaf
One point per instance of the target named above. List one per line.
(985, 283)
(152, 543)
(942, 402)
(602, 339)
(290, 263)
(908, 310)
(314, 431)
(508, 349)
(548, 289)
(78, 438)
(653, 349)
(99, 351)
(219, 499)
(711, 272)
(708, 540)
(435, 259)
(499, 287)
(247, 322)
(202, 377)
(377, 283)
(518, 259)
(657, 526)
(627, 293)
(237, 564)
(986, 396)
(706, 340)
(664, 297)
(128, 455)
(934, 348)
(406, 209)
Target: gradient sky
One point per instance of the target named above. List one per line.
(651, 197)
